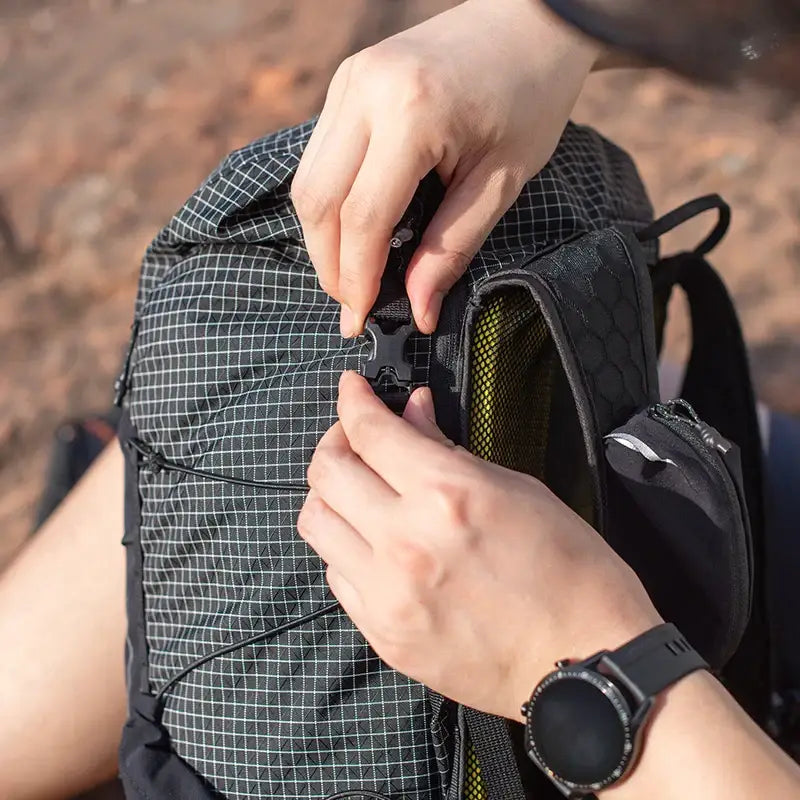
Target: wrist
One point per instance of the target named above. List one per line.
(586, 52)
(675, 708)
(540, 28)
(616, 632)
(586, 722)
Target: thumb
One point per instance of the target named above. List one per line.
(420, 413)
(470, 209)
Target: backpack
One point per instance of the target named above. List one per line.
(245, 678)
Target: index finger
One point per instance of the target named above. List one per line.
(393, 448)
(385, 185)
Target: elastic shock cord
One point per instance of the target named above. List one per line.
(156, 462)
(254, 639)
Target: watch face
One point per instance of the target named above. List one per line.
(579, 729)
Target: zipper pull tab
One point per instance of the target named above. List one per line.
(679, 410)
(121, 383)
(713, 438)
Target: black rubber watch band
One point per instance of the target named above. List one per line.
(656, 659)
(584, 720)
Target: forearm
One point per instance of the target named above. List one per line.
(700, 743)
(62, 628)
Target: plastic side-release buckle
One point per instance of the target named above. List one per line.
(386, 369)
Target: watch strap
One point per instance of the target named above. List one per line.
(656, 659)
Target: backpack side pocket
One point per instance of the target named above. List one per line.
(678, 517)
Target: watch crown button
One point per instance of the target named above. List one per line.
(524, 709)
(564, 662)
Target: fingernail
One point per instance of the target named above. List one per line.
(347, 322)
(431, 316)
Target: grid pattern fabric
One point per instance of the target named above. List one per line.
(234, 371)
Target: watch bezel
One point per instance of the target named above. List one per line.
(628, 719)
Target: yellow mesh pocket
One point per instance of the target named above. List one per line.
(512, 361)
(473, 782)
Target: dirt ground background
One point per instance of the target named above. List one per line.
(112, 111)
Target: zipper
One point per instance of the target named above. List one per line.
(154, 462)
(680, 417)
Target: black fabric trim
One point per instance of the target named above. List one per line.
(542, 294)
(149, 768)
(458, 363)
(392, 304)
(136, 641)
(647, 316)
(449, 355)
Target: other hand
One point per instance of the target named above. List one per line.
(481, 94)
(468, 577)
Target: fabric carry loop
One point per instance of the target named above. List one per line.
(686, 212)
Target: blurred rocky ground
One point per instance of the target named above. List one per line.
(112, 111)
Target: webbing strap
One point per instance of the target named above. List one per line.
(389, 325)
(719, 387)
(392, 305)
(390, 321)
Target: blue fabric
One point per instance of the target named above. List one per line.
(783, 546)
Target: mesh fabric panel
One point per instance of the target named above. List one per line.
(512, 370)
(473, 782)
(512, 374)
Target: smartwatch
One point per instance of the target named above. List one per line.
(584, 720)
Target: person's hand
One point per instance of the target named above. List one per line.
(481, 94)
(468, 577)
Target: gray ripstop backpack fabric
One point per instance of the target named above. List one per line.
(245, 679)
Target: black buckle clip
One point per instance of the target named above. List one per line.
(386, 369)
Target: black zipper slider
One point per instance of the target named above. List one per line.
(713, 438)
(121, 383)
(682, 411)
